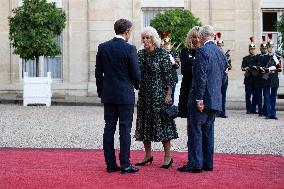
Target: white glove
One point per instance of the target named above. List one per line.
(172, 59)
(272, 68)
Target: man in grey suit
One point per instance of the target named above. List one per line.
(117, 74)
(204, 102)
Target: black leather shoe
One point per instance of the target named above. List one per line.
(207, 168)
(273, 117)
(186, 168)
(111, 169)
(143, 163)
(130, 169)
(222, 116)
(168, 165)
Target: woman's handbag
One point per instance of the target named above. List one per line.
(170, 112)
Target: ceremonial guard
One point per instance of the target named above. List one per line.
(270, 78)
(167, 44)
(220, 44)
(249, 66)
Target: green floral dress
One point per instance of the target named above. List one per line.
(155, 79)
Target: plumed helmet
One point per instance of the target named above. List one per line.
(263, 45)
(251, 45)
(218, 38)
(270, 42)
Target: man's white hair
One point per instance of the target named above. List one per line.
(207, 31)
(152, 32)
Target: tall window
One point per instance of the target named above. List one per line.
(150, 8)
(50, 64)
(53, 65)
(269, 21)
(148, 15)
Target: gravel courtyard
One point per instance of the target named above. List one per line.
(82, 127)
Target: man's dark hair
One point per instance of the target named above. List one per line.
(121, 25)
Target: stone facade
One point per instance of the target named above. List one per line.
(90, 22)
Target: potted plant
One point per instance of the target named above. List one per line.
(33, 28)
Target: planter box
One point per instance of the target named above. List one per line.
(37, 90)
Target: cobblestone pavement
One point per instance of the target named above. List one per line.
(82, 127)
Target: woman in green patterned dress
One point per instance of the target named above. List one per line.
(154, 95)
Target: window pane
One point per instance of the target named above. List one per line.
(30, 67)
(148, 16)
(269, 21)
(54, 66)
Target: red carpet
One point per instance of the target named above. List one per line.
(63, 168)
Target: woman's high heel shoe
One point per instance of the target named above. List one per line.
(143, 163)
(167, 165)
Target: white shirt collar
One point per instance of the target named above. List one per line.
(209, 41)
(119, 36)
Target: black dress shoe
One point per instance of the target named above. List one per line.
(273, 117)
(130, 169)
(207, 168)
(186, 168)
(222, 116)
(143, 163)
(167, 165)
(111, 169)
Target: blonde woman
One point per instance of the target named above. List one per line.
(154, 95)
(187, 58)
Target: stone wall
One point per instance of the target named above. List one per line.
(90, 22)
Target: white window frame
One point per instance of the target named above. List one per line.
(162, 3)
(58, 3)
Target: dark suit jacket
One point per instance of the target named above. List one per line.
(249, 61)
(273, 79)
(117, 72)
(208, 76)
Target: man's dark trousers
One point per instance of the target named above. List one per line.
(259, 100)
(201, 133)
(248, 91)
(113, 113)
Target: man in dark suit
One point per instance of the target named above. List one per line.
(117, 74)
(204, 102)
